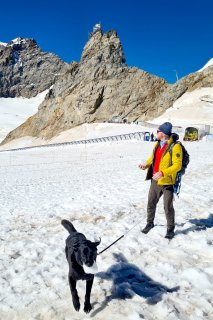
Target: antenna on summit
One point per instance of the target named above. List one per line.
(176, 73)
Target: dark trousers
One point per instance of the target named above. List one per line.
(155, 192)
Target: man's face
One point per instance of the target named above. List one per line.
(161, 135)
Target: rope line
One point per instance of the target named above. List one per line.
(128, 136)
(123, 235)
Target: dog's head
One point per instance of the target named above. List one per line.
(86, 252)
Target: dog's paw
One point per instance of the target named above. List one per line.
(76, 304)
(87, 307)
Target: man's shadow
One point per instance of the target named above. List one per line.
(129, 280)
(198, 225)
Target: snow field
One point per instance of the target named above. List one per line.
(101, 190)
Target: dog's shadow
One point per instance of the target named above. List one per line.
(198, 225)
(129, 280)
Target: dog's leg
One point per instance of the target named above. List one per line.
(66, 253)
(87, 305)
(74, 293)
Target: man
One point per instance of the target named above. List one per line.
(162, 170)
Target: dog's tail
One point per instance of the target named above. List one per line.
(68, 226)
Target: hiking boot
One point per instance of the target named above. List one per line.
(148, 227)
(170, 233)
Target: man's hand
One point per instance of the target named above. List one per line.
(142, 166)
(157, 176)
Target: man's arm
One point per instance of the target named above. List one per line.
(177, 156)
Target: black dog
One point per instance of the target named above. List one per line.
(79, 251)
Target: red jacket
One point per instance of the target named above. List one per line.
(158, 154)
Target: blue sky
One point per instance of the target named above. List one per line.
(158, 36)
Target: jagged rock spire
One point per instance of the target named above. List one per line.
(103, 47)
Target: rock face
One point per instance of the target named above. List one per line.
(97, 88)
(101, 86)
(187, 84)
(25, 70)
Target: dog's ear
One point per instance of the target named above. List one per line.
(97, 242)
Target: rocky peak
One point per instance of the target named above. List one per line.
(25, 70)
(102, 58)
(101, 86)
(103, 47)
(21, 41)
(97, 88)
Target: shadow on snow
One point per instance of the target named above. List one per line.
(129, 280)
(198, 225)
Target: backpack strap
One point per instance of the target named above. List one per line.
(170, 151)
(177, 185)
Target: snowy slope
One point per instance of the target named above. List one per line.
(3, 44)
(14, 111)
(101, 190)
(208, 64)
(194, 107)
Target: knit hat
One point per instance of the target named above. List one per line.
(166, 128)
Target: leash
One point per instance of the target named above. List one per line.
(120, 237)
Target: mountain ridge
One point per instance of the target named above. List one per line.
(102, 86)
(25, 70)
